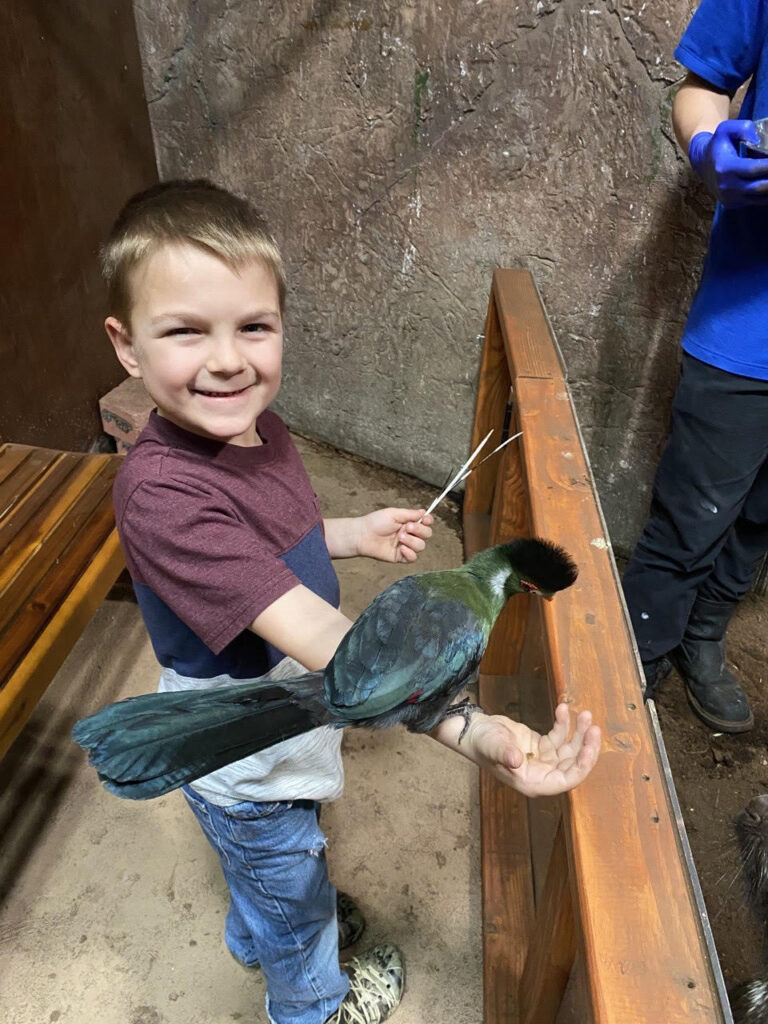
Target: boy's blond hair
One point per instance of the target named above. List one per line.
(195, 212)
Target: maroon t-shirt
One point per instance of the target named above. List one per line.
(214, 533)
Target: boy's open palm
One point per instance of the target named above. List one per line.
(533, 764)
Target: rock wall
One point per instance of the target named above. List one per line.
(402, 150)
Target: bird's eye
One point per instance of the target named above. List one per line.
(531, 588)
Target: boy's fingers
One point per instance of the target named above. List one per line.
(514, 757)
(590, 750)
(583, 722)
(417, 529)
(510, 756)
(415, 543)
(413, 515)
(420, 518)
(405, 554)
(558, 734)
(593, 740)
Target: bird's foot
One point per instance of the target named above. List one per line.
(465, 708)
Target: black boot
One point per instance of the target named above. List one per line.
(713, 692)
(655, 673)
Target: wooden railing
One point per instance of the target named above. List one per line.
(591, 909)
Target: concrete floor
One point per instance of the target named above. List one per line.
(111, 912)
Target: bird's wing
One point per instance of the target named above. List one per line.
(415, 638)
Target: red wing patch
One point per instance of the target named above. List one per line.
(414, 697)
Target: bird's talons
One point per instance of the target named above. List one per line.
(464, 708)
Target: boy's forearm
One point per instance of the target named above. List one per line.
(697, 107)
(342, 537)
(448, 731)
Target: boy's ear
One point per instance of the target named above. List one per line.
(123, 345)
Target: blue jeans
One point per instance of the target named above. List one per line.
(282, 911)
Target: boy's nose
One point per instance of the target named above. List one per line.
(225, 356)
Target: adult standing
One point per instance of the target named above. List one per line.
(708, 525)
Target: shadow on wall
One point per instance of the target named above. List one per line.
(648, 298)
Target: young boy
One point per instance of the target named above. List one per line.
(231, 561)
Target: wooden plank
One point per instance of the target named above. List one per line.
(21, 467)
(30, 501)
(59, 555)
(477, 532)
(42, 604)
(509, 518)
(641, 954)
(637, 920)
(44, 538)
(27, 684)
(535, 709)
(492, 397)
(528, 339)
(506, 876)
(553, 946)
(11, 455)
(574, 1008)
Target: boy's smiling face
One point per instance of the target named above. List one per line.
(206, 339)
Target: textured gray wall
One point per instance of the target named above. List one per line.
(401, 151)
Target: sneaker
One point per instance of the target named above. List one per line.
(376, 983)
(351, 920)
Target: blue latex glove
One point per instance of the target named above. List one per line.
(732, 179)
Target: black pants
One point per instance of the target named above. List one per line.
(708, 524)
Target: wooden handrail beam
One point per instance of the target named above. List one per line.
(638, 932)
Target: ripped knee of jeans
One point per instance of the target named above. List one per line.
(319, 848)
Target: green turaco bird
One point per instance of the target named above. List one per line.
(412, 651)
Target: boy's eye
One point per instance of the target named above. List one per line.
(179, 331)
(254, 328)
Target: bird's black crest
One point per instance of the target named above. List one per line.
(543, 562)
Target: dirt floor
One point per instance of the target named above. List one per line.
(112, 911)
(715, 776)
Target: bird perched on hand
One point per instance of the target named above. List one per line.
(412, 651)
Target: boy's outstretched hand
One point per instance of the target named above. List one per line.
(535, 765)
(394, 534)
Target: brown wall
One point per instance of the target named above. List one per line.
(75, 143)
(404, 148)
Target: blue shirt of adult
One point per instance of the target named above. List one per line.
(727, 41)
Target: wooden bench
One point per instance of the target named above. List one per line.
(591, 907)
(59, 556)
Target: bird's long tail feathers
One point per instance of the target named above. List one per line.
(146, 746)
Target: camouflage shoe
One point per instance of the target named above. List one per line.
(376, 984)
